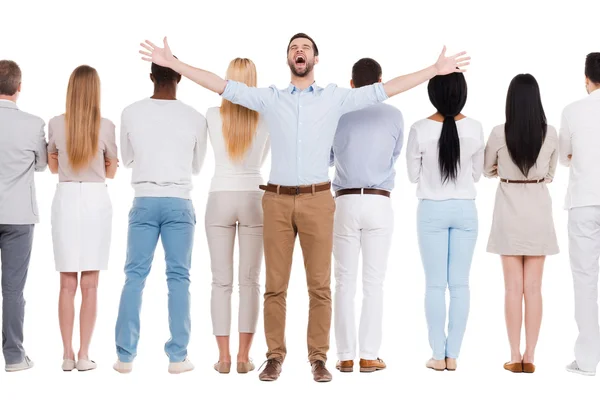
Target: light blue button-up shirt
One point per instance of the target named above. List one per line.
(302, 124)
(366, 146)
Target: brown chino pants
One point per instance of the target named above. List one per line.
(310, 216)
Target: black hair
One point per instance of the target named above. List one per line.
(448, 94)
(163, 75)
(304, 36)
(592, 67)
(365, 71)
(525, 127)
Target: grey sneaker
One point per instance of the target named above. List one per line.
(22, 366)
(574, 368)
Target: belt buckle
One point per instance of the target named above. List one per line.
(297, 190)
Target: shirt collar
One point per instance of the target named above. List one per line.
(595, 93)
(8, 104)
(291, 88)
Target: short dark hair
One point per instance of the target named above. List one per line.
(304, 36)
(163, 75)
(592, 67)
(10, 77)
(365, 71)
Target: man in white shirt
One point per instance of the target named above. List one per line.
(579, 149)
(164, 141)
(22, 152)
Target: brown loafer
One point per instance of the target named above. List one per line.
(345, 366)
(320, 372)
(371, 365)
(528, 368)
(272, 370)
(514, 367)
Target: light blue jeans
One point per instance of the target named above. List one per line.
(447, 233)
(173, 220)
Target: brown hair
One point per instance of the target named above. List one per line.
(239, 123)
(10, 77)
(82, 117)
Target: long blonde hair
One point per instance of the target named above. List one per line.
(82, 117)
(239, 123)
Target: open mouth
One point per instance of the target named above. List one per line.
(300, 60)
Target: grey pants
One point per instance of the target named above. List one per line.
(227, 212)
(15, 251)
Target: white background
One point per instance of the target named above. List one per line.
(50, 38)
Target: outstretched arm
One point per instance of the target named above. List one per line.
(443, 66)
(164, 57)
(257, 99)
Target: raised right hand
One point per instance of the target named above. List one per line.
(158, 55)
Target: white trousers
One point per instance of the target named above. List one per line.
(584, 252)
(362, 222)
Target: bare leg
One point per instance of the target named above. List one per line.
(513, 303)
(223, 343)
(87, 314)
(66, 311)
(532, 283)
(245, 344)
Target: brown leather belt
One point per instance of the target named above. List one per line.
(380, 192)
(295, 190)
(517, 181)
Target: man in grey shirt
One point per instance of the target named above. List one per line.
(365, 148)
(22, 152)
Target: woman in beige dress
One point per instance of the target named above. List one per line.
(523, 154)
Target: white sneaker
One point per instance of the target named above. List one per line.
(181, 367)
(123, 367)
(68, 365)
(573, 367)
(86, 365)
(22, 366)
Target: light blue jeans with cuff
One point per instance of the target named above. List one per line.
(447, 233)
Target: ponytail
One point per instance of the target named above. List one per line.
(448, 94)
(449, 150)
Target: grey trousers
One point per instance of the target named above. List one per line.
(226, 213)
(15, 252)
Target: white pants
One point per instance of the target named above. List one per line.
(584, 252)
(361, 222)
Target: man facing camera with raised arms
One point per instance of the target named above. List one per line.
(366, 146)
(302, 120)
(579, 149)
(22, 152)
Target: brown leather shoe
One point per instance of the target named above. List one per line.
(371, 365)
(272, 370)
(345, 366)
(514, 367)
(528, 368)
(320, 372)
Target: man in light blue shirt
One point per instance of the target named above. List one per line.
(302, 120)
(366, 146)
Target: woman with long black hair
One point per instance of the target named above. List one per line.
(523, 154)
(445, 158)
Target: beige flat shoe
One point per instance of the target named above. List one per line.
(451, 364)
(245, 367)
(437, 365)
(68, 365)
(223, 367)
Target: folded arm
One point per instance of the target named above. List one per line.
(490, 162)
(414, 157)
(41, 150)
(200, 146)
